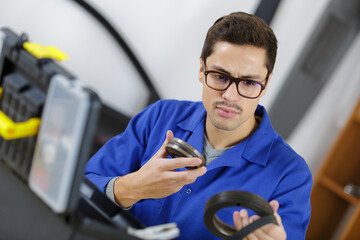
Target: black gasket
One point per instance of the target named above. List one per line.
(179, 148)
(233, 199)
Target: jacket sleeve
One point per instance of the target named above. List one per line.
(123, 153)
(293, 195)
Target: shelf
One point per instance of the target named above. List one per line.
(352, 231)
(357, 115)
(338, 190)
(336, 214)
(342, 162)
(328, 211)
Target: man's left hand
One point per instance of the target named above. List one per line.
(267, 232)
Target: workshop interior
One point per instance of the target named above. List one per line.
(73, 74)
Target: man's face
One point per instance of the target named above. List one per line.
(227, 110)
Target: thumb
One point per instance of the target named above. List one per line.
(275, 206)
(162, 151)
(169, 136)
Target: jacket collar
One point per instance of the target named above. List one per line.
(259, 144)
(255, 149)
(193, 121)
(195, 125)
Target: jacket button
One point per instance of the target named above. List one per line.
(188, 191)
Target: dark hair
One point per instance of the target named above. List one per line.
(242, 29)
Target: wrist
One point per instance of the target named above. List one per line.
(125, 193)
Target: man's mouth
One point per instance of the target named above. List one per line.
(226, 112)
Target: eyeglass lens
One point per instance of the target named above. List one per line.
(247, 88)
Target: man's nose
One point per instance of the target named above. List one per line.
(231, 94)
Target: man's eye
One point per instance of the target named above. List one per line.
(221, 77)
(250, 83)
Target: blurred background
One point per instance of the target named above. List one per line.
(316, 81)
(166, 37)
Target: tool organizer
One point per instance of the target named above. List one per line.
(24, 82)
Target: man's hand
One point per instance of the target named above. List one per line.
(267, 232)
(157, 178)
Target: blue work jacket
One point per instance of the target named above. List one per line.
(262, 164)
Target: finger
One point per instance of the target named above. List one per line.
(195, 173)
(258, 233)
(245, 220)
(188, 176)
(161, 153)
(244, 217)
(251, 236)
(237, 220)
(253, 218)
(181, 162)
(269, 231)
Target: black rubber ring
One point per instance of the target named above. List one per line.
(253, 226)
(179, 148)
(239, 199)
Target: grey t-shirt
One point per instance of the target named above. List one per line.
(210, 153)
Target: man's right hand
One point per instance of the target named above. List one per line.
(157, 178)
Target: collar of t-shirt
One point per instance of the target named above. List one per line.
(210, 153)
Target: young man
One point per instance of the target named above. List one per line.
(233, 132)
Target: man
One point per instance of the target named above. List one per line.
(233, 132)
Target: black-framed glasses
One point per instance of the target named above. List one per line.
(219, 81)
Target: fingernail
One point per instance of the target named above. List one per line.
(242, 213)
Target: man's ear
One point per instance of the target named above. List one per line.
(201, 74)
(267, 84)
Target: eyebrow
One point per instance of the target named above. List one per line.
(250, 76)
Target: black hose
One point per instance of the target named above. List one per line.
(266, 10)
(154, 96)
